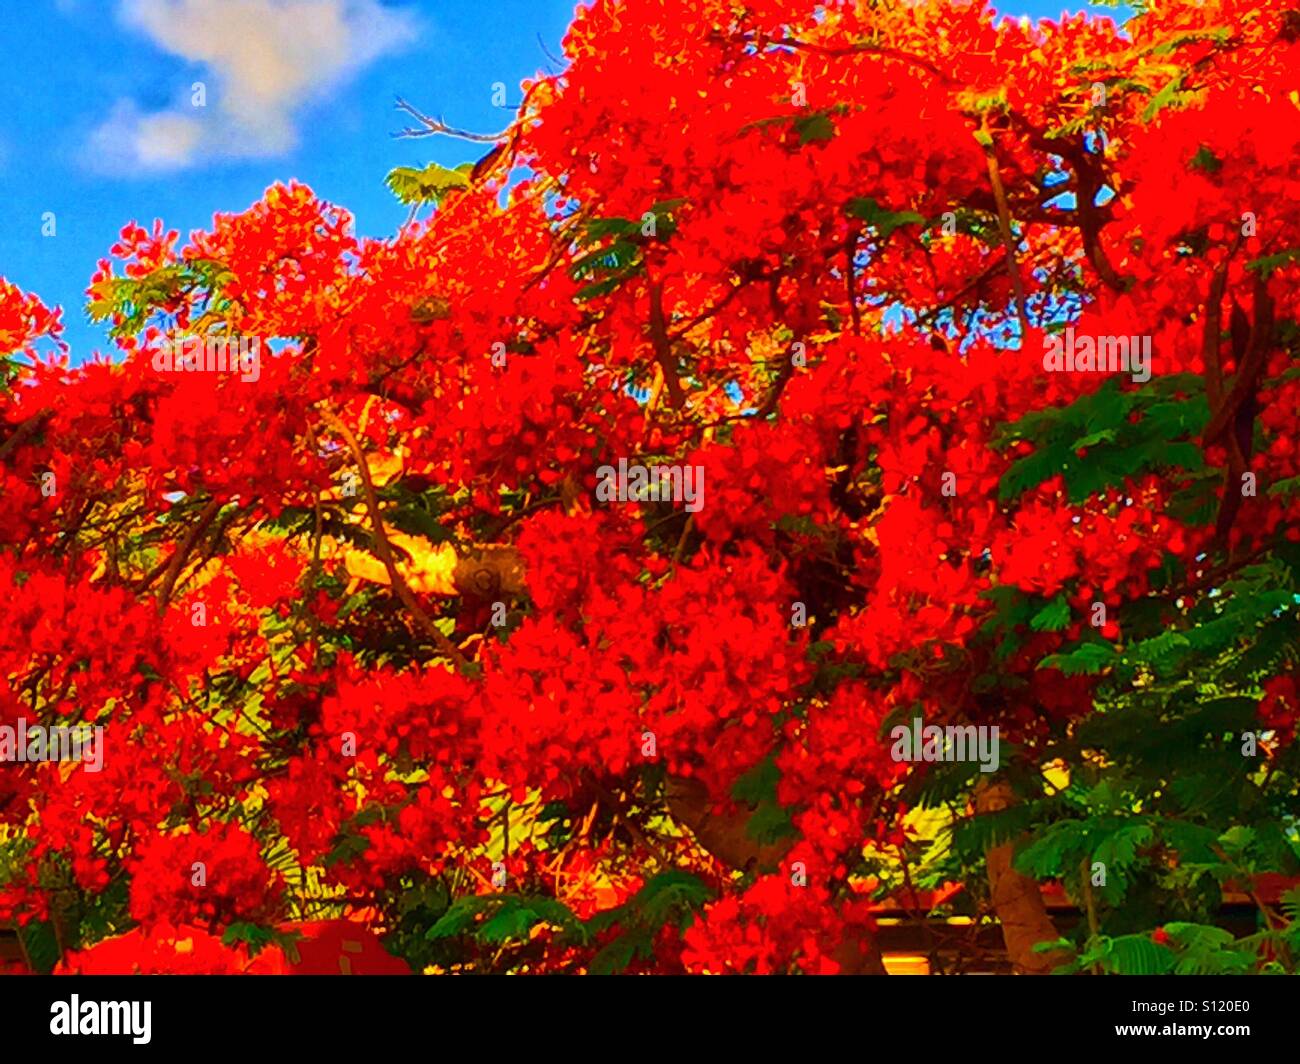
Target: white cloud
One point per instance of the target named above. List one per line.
(262, 59)
(132, 141)
(167, 139)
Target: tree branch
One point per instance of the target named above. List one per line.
(385, 551)
(663, 347)
(182, 552)
(436, 126)
(1004, 224)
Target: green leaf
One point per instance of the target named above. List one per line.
(1052, 617)
(511, 921)
(416, 520)
(1119, 849)
(1270, 263)
(507, 917)
(1289, 486)
(598, 229)
(1216, 35)
(1093, 438)
(1161, 652)
(1183, 455)
(770, 823)
(460, 916)
(257, 938)
(1170, 420)
(621, 260)
(1085, 660)
(1198, 936)
(974, 836)
(617, 256)
(1236, 840)
(432, 184)
(669, 894)
(618, 954)
(1055, 850)
(759, 783)
(1138, 955)
(1196, 504)
(346, 849)
(883, 221)
(1117, 445)
(1030, 471)
(814, 128)
(602, 288)
(1205, 161)
(41, 945)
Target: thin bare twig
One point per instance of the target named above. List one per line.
(549, 55)
(433, 127)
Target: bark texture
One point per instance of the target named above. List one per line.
(1016, 898)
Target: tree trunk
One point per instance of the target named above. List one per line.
(1015, 897)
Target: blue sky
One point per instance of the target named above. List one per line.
(100, 126)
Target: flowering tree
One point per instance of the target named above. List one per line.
(974, 340)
